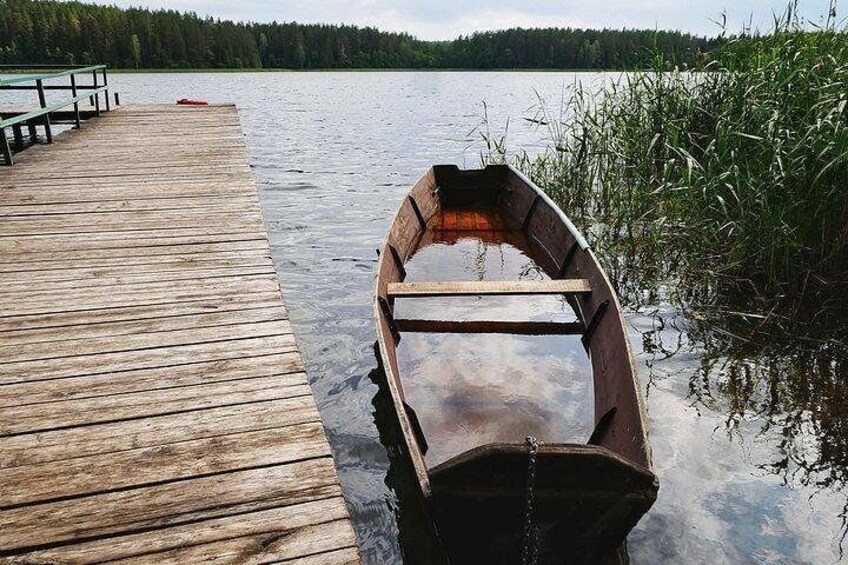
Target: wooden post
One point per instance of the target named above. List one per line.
(5, 149)
(76, 104)
(33, 133)
(96, 96)
(106, 92)
(117, 100)
(43, 101)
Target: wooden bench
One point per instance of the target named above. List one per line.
(42, 114)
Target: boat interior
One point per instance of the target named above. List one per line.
(496, 324)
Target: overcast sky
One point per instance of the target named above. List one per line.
(446, 19)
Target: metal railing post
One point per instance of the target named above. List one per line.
(5, 149)
(106, 92)
(43, 101)
(18, 134)
(96, 95)
(76, 104)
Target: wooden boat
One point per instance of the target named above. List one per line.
(584, 498)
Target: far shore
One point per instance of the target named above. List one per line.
(361, 70)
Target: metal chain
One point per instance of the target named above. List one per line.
(530, 556)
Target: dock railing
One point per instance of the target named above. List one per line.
(40, 79)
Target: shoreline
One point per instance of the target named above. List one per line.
(363, 70)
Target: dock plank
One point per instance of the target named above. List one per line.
(33, 418)
(177, 502)
(186, 543)
(71, 389)
(150, 465)
(154, 407)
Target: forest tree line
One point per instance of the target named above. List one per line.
(76, 33)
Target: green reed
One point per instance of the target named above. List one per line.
(738, 171)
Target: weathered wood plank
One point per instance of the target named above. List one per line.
(185, 258)
(169, 504)
(89, 298)
(105, 472)
(170, 265)
(122, 435)
(70, 345)
(128, 243)
(90, 223)
(347, 556)
(489, 327)
(243, 202)
(28, 339)
(274, 534)
(56, 191)
(105, 363)
(17, 285)
(487, 288)
(139, 312)
(34, 398)
(33, 418)
(73, 255)
(262, 549)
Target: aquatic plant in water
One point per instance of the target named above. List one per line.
(735, 172)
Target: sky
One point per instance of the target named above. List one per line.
(447, 19)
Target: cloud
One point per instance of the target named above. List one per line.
(446, 19)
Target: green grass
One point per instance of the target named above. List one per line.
(737, 173)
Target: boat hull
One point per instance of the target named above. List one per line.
(588, 497)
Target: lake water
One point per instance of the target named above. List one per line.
(749, 443)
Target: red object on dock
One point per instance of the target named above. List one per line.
(189, 102)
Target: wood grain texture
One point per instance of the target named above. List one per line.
(154, 407)
(487, 288)
(489, 327)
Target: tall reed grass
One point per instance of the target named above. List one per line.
(737, 172)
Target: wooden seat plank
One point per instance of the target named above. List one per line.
(487, 288)
(489, 327)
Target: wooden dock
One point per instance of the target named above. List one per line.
(153, 404)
